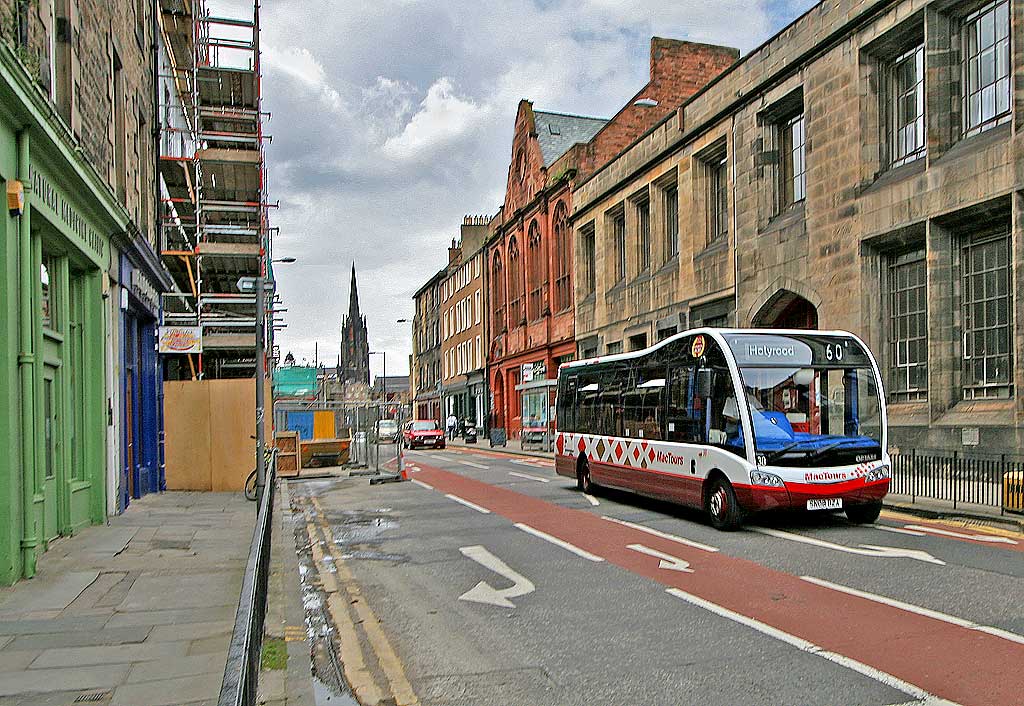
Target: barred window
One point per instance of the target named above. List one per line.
(906, 111)
(589, 258)
(643, 229)
(985, 300)
(987, 67)
(908, 327)
(671, 221)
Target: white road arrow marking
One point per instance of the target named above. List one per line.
(668, 561)
(527, 475)
(862, 550)
(483, 592)
(961, 535)
(897, 530)
(663, 535)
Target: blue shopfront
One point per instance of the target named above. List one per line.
(141, 380)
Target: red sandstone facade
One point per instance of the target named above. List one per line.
(529, 253)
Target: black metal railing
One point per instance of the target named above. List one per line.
(241, 672)
(992, 480)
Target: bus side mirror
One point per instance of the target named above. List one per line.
(704, 382)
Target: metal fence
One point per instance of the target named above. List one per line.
(995, 481)
(241, 673)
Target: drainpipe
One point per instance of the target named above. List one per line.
(26, 365)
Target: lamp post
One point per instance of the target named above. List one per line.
(261, 378)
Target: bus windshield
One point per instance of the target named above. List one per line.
(813, 400)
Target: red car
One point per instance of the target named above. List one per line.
(423, 433)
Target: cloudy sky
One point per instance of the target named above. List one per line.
(391, 119)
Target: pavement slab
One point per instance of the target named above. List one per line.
(109, 654)
(169, 692)
(174, 667)
(32, 681)
(61, 625)
(83, 638)
(191, 631)
(46, 592)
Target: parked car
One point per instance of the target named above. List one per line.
(423, 432)
(387, 431)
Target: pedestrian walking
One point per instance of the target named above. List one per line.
(453, 424)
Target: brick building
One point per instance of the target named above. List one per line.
(79, 273)
(530, 255)
(463, 359)
(859, 171)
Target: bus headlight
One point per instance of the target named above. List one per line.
(877, 473)
(769, 479)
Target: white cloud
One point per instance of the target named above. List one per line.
(442, 118)
(393, 119)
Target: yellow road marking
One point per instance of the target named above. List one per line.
(391, 665)
(968, 524)
(358, 676)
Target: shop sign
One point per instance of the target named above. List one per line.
(143, 289)
(181, 339)
(44, 193)
(533, 371)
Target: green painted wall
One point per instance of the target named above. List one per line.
(70, 216)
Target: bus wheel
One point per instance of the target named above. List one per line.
(863, 514)
(720, 504)
(583, 479)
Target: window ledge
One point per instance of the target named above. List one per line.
(670, 265)
(716, 247)
(893, 175)
(617, 287)
(978, 413)
(791, 215)
(53, 335)
(975, 143)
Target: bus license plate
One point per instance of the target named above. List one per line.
(825, 504)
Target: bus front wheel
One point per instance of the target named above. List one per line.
(721, 506)
(863, 514)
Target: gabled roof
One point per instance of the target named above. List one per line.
(557, 132)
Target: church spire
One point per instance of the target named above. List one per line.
(354, 362)
(353, 297)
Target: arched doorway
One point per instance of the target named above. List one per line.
(786, 309)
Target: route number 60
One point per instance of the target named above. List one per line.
(834, 351)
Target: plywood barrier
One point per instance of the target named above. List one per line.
(208, 433)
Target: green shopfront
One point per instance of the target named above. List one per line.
(56, 250)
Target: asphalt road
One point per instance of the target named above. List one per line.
(498, 583)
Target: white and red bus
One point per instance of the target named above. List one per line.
(731, 420)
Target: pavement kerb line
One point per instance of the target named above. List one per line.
(811, 648)
(359, 678)
(391, 665)
(910, 607)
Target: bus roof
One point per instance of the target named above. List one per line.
(716, 333)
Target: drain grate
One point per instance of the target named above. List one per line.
(92, 697)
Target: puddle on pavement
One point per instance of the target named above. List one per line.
(324, 695)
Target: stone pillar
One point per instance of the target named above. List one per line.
(944, 324)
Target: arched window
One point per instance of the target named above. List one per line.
(515, 284)
(563, 257)
(498, 294)
(537, 272)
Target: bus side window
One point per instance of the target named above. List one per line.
(683, 417)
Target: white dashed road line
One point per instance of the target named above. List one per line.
(468, 504)
(527, 475)
(558, 542)
(663, 535)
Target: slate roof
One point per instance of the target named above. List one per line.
(557, 132)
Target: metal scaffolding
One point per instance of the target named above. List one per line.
(214, 220)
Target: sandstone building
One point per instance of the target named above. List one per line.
(861, 170)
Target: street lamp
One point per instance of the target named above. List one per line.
(261, 376)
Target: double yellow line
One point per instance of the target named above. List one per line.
(352, 617)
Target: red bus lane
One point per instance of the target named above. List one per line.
(953, 662)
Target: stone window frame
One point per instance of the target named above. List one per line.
(668, 188)
(640, 204)
(999, 117)
(615, 226)
(516, 286)
(498, 293)
(964, 246)
(712, 188)
(613, 348)
(588, 254)
(899, 367)
(897, 156)
(778, 118)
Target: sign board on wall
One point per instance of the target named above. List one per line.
(181, 339)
